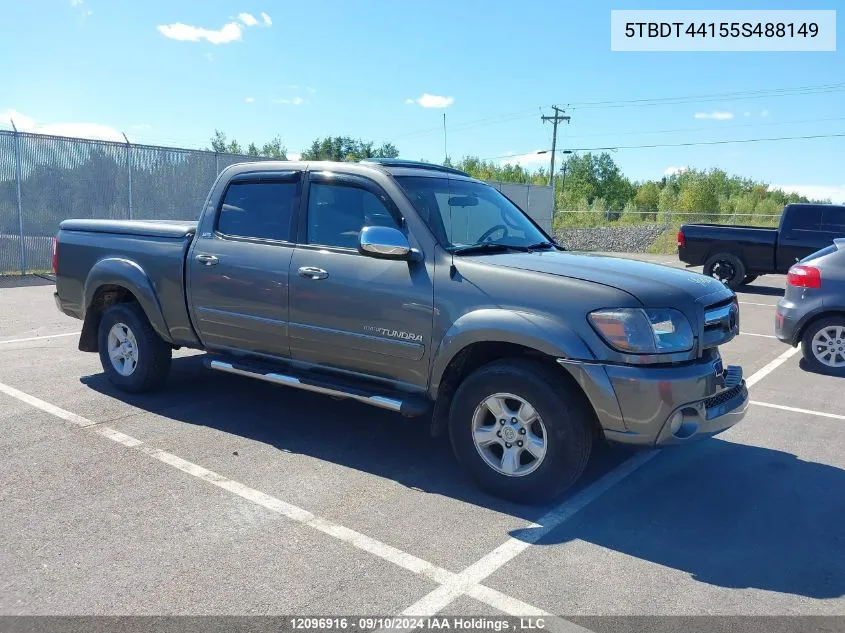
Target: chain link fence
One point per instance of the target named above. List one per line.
(45, 179)
(607, 231)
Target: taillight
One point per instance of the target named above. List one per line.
(55, 256)
(682, 240)
(804, 277)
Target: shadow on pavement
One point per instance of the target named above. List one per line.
(347, 433)
(768, 291)
(805, 366)
(730, 515)
(26, 281)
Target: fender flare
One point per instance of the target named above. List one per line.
(118, 271)
(540, 332)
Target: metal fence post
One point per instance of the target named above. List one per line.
(129, 170)
(18, 187)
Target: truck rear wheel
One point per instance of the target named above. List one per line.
(134, 357)
(727, 268)
(521, 432)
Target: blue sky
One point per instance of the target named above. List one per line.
(171, 72)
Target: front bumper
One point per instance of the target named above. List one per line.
(661, 406)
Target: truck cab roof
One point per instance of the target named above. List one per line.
(391, 166)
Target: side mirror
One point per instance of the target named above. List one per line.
(384, 242)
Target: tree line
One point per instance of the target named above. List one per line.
(584, 182)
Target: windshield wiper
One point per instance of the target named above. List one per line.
(540, 246)
(488, 247)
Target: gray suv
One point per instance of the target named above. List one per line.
(418, 289)
(812, 310)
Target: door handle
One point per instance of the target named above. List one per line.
(310, 272)
(206, 260)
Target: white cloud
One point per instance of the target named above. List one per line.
(209, 57)
(764, 113)
(747, 114)
(294, 156)
(140, 126)
(409, 101)
(266, 19)
(432, 101)
(250, 99)
(531, 159)
(674, 171)
(716, 115)
(311, 89)
(76, 3)
(248, 19)
(26, 123)
(295, 101)
(230, 32)
(834, 193)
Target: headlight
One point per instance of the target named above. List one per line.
(649, 331)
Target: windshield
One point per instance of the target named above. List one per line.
(464, 213)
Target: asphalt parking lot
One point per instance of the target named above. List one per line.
(224, 495)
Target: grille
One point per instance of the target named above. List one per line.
(726, 396)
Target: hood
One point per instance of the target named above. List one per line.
(654, 285)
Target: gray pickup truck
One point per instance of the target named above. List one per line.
(418, 289)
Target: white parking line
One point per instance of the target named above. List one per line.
(451, 585)
(460, 584)
(465, 582)
(356, 539)
(38, 338)
(751, 303)
(822, 414)
(764, 371)
(760, 335)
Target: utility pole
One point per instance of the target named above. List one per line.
(445, 151)
(560, 115)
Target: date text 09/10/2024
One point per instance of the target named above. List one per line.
(421, 623)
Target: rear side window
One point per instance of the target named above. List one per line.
(258, 209)
(805, 218)
(834, 220)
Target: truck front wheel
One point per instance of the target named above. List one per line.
(727, 268)
(521, 431)
(134, 357)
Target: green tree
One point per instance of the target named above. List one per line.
(647, 198)
(345, 148)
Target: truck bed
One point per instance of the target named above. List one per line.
(102, 248)
(755, 245)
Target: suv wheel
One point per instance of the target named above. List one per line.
(727, 268)
(823, 345)
(522, 432)
(133, 356)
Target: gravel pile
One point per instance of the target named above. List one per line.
(620, 239)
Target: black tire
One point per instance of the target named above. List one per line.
(749, 278)
(566, 416)
(727, 268)
(814, 363)
(152, 354)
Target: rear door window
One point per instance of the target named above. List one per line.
(260, 210)
(805, 218)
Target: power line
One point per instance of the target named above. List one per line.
(748, 94)
(655, 101)
(688, 144)
(708, 128)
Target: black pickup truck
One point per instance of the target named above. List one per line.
(737, 255)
